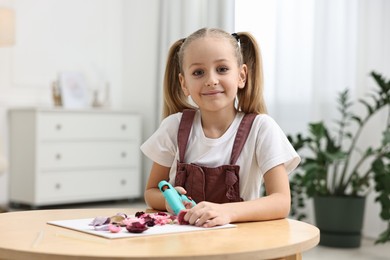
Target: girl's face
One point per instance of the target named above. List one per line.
(211, 75)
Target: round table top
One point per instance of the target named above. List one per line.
(26, 235)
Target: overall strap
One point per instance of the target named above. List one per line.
(241, 136)
(184, 131)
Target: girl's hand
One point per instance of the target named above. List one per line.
(208, 214)
(181, 190)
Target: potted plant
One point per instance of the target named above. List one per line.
(338, 174)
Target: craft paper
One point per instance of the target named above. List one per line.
(83, 226)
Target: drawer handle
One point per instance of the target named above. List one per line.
(123, 182)
(124, 127)
(58, 127)
(123, 154)
(58, 186)
(58, 156)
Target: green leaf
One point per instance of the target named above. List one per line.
(317, 130)
(335, 156)
(386, 137)
(369, 151)
(368, 106)
(385, 215)
(357, 119)
(384, 236)
(384, 86)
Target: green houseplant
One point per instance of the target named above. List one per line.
(335, 168)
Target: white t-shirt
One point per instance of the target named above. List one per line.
(266, 147)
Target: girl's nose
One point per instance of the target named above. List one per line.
(211, 81)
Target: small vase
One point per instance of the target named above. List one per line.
(340, 220)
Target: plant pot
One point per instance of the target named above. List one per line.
(340, 220)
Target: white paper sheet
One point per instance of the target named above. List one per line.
(83, 226)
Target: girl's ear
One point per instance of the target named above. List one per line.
(182, 84)
(242, 75)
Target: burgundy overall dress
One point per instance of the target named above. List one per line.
(215, 184)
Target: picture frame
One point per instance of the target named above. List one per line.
(73, 89)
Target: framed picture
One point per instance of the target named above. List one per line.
(73, 89)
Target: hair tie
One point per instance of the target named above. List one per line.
(236, 36)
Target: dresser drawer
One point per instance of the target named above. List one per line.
(59, 156)
(70, 126)
(86, 185)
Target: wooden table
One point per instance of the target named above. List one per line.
(25, 235)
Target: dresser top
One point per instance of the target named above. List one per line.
(67, 110)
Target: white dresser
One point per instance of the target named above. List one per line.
(62, 156)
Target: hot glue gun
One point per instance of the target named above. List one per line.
(173, 197)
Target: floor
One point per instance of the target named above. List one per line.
(367, 251)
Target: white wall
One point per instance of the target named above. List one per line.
(140, 55)
(54, 36)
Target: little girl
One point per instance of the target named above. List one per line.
(216, 144)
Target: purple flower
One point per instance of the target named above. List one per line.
(105, 227)
(98, 221)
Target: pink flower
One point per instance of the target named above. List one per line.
(180, 218)
(114, 228)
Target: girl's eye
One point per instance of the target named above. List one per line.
(198, 73)
(222, 69)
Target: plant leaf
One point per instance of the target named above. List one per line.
(368, 106)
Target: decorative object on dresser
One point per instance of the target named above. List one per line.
(73, 89)
(62, 156)
(56, 94)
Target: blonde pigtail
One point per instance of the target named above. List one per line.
(174, 98)
(250, 98)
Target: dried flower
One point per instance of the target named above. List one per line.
(136, 227)
(98, 221)
(180, 218)
(114, 228)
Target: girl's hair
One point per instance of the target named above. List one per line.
(250, 98)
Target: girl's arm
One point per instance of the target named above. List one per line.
(153, 196)
(275, 205)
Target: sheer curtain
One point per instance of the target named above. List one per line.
(313, 49)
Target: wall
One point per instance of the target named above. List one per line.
(55, 36)
(140, 57)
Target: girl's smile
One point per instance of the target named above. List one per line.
(212, 93)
